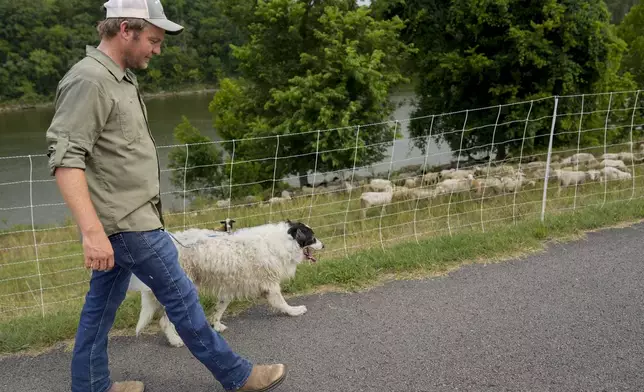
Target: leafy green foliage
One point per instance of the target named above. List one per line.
(619, 8)
(41, 39)
(204, 163)
(631, 30)
(494, 52)
(311, 66)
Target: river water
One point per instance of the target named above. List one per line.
(25, 181)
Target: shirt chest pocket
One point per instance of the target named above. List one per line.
(130, 119)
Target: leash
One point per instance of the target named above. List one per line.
(178, 242)
(185, 246)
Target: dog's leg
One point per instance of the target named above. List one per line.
(170, 332)
(215, 320)
(149, 305)
(277, 301)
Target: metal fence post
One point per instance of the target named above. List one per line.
(545, 180)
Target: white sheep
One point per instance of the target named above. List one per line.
(410, 183)
(279, 200)
(536, 165)
(420, 193)
(378, 184)
(626, 157)
(431, 178)
(583, 157)
(459, 174)
(503, 170)
(610, 156)
(485, 185)
(371, 199)
(614, 163)
(514, 183)
(594, 175)
(223, 203)
(455, 185)
(567, 178)
(610, 173)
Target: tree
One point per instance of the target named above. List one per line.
(631, 30)
(309, 66)
(619, 8)
(41, 39)
(204, 165)
(497, 52)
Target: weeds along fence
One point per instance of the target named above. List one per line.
(526, 160)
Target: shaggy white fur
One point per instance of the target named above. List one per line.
(245, 264)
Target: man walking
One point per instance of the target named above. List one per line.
(104, 159)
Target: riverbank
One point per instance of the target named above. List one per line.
(16, 107)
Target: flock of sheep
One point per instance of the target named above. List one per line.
(498, 179)
(415, 183)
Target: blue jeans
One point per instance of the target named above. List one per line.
(153, 258)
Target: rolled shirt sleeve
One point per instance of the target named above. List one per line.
(81, 112)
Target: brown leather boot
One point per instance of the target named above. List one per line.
(127, 386)
(264, 378)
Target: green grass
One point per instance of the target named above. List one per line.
(408, 238)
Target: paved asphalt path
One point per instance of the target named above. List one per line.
(568, 319)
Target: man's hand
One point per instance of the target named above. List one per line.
(97, 248)
(98, 251)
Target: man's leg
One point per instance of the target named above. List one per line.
(89, 366)
(154, 260)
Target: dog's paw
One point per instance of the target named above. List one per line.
(219, 327)
(175, 341)
(296, 310)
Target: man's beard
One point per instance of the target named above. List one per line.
(132, 64)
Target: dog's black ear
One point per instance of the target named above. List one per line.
(300, 237)
(292, 231)
(223, 222)
(232, 221)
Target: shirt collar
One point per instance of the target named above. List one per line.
(106, 61)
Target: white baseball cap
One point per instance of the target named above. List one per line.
(149, 10)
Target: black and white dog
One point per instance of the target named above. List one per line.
(246, 264)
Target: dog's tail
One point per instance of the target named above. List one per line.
(149, 305)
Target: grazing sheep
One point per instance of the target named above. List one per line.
(594, 175)
(626, 157)
(503, 170)
(536, 165)
(613, 163)
(410, 183)
(567, 178)
(488, 184)
(455, 185)
(431, 178)
(610, 173)
(583, 158)
(402, 193)
(223, 203)
(420, 193)
(371, 199)
(378, 185)
(514, 183)
(459, 174)
(610, 156)
(279, 200)
(250, 199)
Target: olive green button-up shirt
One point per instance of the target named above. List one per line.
(100, 125)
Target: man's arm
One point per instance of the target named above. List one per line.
(82, 110)
(97, 248)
